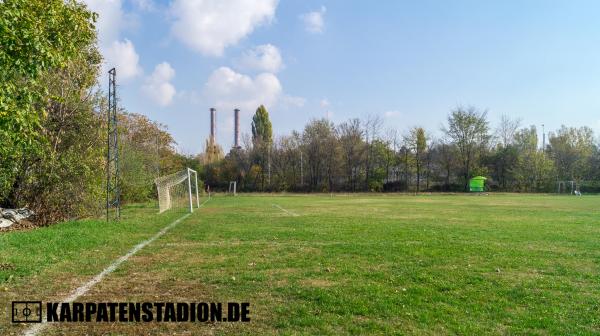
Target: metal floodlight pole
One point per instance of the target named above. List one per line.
(108, 151)
(113, 193)
(543, 138)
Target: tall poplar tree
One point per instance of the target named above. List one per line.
(262, 139)
(262, 130)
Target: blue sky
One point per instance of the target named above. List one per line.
(410, 62)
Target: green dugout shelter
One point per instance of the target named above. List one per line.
(477, 183)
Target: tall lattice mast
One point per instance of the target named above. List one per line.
(113, 192)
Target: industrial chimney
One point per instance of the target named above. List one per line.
(213, 125)
(236, 135)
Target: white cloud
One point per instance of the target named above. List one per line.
(264, 57)
(227, 89)
(292, 101)
(391, 114)
(209, 26)
(158, 86)
(122, 55)
(117, 53)
(190, 96)
(314, 22)
(110, 19)
(146, 5)
(325, 105)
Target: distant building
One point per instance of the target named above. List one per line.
(212, 151)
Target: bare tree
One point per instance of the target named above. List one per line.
(446, 158)
(318, 138)
(392, 141)
(352, 149)
(285, 159)
(506, 130)
(373, 127)
(429, 161)
(393, 138)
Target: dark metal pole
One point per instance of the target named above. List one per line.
(113, 192)
(108, 113)
(543, 138)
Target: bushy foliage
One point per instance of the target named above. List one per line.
(53, 118)
(39, 37)
(147, 150)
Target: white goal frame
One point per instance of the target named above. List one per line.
(232, 187)
(190, 172)
(164, 184)
(562, 185)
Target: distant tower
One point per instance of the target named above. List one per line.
(213, 125)
(213, 152)
(236, 135)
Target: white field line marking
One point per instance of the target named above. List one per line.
(34, 330)
(286, 211)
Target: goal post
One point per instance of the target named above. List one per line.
(195, 183)
(178, 191)
(232, 188)
(567, 187)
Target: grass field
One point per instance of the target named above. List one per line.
(359, 264)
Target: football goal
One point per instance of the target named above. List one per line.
(178, 191)
(567, 187)
(232, 188)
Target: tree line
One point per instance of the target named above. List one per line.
(362, 155)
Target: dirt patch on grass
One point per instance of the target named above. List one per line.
(283, 271)
(6, 266)
(319, 283)
(207, 210)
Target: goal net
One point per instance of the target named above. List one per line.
(178, 191)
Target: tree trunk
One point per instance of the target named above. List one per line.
(418, 176)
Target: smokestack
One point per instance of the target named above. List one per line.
(236, 135)
(213, 124)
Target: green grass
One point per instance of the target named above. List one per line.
(391, 264)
